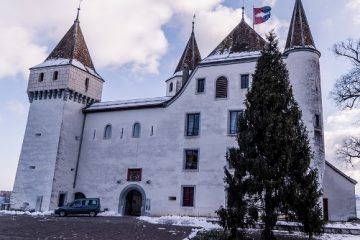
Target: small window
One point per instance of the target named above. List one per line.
(32, 167)
(317, 121)
(245, 81)
(134, 175)
(188, 194)
(192, 124)
(55, 75)
(87, 84)
(41, 77)
(171, 87)
(136, 130)
(191, 160)
(221, 87)
(108, 132)
(233, 121)
(152, 131)
(200, 88)
(122, 133)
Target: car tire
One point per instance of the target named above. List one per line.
(92, 214)
(62, 214)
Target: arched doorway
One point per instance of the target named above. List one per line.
(132, 201)
(79, 195)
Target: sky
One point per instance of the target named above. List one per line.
(136, 44)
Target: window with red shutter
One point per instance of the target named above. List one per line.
(188, 196)
(134, 175)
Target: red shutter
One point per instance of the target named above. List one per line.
(188, 196)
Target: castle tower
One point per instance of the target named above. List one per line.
(58, 90)
(303, 63)
(187, 64)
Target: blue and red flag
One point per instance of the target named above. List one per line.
(261, 15)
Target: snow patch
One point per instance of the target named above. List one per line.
(109, 214)
(231, 56)
(47, 213)
(128, 103)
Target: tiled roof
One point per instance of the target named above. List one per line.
(299, 32)
(73, 46)
(241, 39)
(191, 56)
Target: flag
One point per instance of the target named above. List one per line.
(261, 15)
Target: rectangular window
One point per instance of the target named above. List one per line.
(233, 121)
(192, 124)
(134, 175)
(200, 85)
(191, 159)
(188, 196)
(317, 121)
(245, 81)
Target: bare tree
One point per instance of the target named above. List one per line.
(347, 89)
(350, 150)
(346, 94)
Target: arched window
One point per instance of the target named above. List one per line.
(171, 87)
(86, 84)
(108, 132)
(221, 87)
(41, 77)
(136, 130)
(56, 75)
(79, 195)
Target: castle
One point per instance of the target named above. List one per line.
(162, 155)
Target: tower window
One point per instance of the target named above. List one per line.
(233, 122)
(41, 77)
(188, 194)
(245, 81)
(171, 87)
(191, 160)
(152, 131)
(55, 75)
(200, 88)
(122, 133)
(108, 132)
(87, 84)
(221, 87)
(317, 121)
(136, 130)
(192, 124)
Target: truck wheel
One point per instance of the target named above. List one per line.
(62, 214)
(92, 214)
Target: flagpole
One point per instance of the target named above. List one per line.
(253, 17)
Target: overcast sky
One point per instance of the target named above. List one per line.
(136, 44)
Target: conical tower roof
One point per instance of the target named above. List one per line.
(299, 33)
(241, 39)
(73, 47)
(191, 55)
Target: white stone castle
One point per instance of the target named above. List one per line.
(163, 155)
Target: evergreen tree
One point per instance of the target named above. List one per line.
(272, 165)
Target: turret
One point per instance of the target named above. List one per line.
(302, 59)
(59, 89)
(187, 64)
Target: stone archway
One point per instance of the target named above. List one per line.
(132, 201)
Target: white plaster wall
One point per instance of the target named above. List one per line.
(45, 117)
(304, 73)
(340, 193)
(104, 162)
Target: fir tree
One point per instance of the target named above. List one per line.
(272, 165)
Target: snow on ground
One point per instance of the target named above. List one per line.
(109, 214)
(342, 225)
(199, 223)
(26, 213)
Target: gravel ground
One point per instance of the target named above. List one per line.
(121, 228)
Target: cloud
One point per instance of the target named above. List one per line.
(269, 2)
(354, 7)
(16, 107)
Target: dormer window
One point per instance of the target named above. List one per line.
(171, 87)
(41, 77)
(55, 75)
(87, 84)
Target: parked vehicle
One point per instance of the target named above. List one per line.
(90, 206)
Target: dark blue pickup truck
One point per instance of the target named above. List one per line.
(90, 206)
